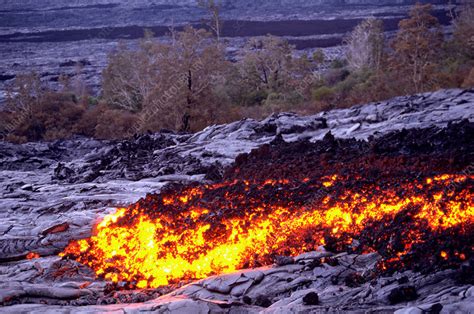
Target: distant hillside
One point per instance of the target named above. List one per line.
(7, 5)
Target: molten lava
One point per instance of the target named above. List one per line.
(197, 231)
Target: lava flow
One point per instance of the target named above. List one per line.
(197, 231)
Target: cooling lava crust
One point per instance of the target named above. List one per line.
(406, 195)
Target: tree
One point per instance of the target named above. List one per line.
(36, 112)
(26, 91)
(23, 95)
(464, 28)
(269, 72)
(319, 57)
(129, 78)
(365, 45)
(266, 65)
(417, 46)
(169, 85)
(469, 81)
(267, 62)
(214, 8)
(190, 69)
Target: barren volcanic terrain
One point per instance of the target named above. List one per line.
(361, 209)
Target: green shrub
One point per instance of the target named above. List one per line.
(254, 97)
(323, 93)
(52, 117)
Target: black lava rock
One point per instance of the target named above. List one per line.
(465, 275)
(402, 294)
(435, 308)
(62, 172)
(284, 260)
(247, 300)
(354, 280)
(403, 280)
(311, 298)
(263, 301)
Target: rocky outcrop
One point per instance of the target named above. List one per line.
(314, 282)
(52, 193)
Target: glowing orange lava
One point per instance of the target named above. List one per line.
(220, 228)
(32, 255)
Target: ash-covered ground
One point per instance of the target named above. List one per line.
(53, 193)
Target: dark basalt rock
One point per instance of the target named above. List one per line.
(354, 280)
(402, 294)
(267, 129)
(284, 260)
(246, 299)
(72, 63)
(435, 308)
(403, 280)
(61, 172)
(263, 301)
(311, 298)
(465, 274)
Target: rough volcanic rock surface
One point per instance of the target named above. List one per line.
(52, 193)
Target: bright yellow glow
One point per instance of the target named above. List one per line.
(151, 250)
